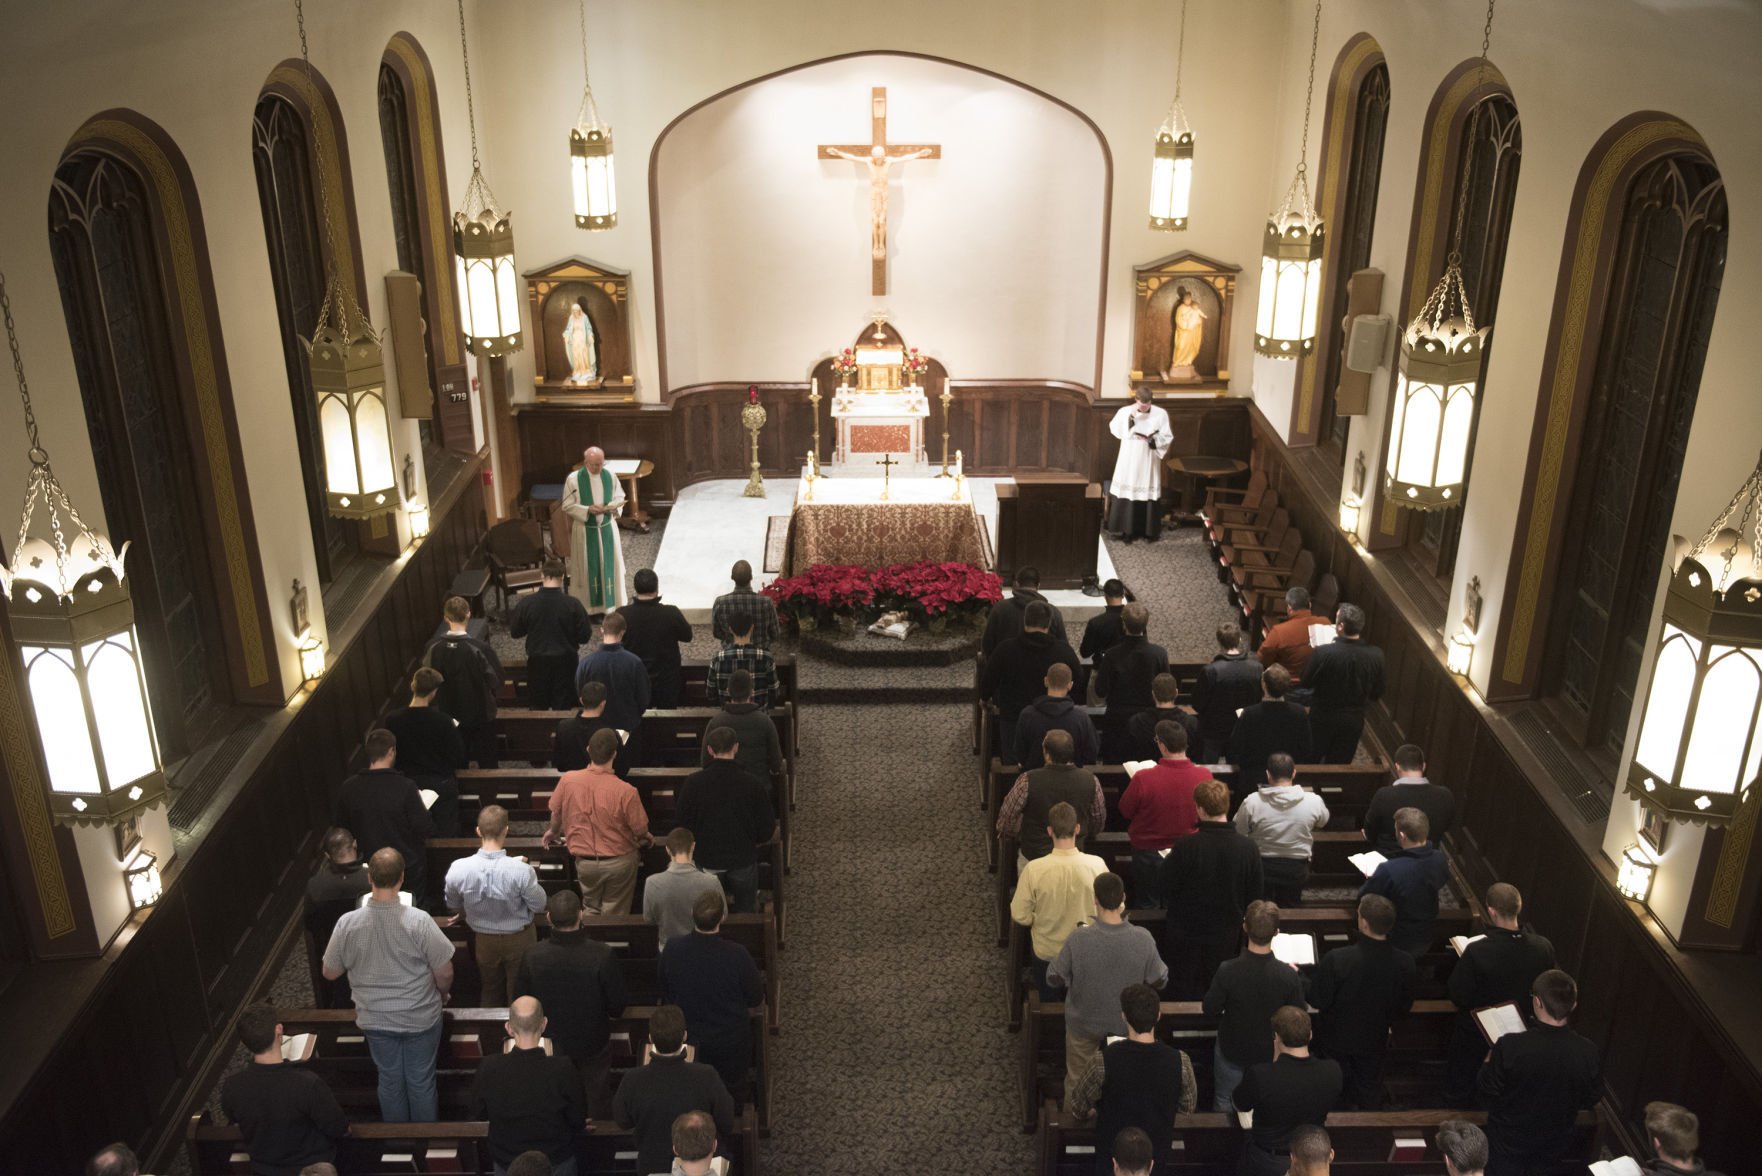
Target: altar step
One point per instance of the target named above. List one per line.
(865, 670)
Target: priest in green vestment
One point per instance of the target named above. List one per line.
(592, 498)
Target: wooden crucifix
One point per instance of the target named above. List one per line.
(880, 156)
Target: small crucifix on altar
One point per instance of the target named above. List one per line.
(880, 156)
(886, 464)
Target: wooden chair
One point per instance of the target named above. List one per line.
(1217, 497)
(1245, 546)
(515, 548)
(1261, 571)
(1264, 604)
(1254, 513)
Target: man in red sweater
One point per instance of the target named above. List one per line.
(1159, 804)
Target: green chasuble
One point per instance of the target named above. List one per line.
(601, 535)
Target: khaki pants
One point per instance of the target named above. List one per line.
(1080, 1054)
(498, 959)
(607, 887)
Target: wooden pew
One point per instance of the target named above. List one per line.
(556, 870)
(467, 1035)
(397, 1149)
(694, 674)
(1365, 1143)
(1414, 1069)
(669, 737)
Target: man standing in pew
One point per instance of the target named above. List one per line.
(716, 984)
(287, 1115)
(1139, 1082)
(1027, 809)
(1165, 697)
(760, 752)
(731, 813)
(1054, 711)
(332, 892)
(1291, 1091)
(430, 749)
(654, 632)
(1018, 665)
(1411, 879)
(1228, 684)
(1056, 892)
(744, 602)
(1499, 967)
(1287, 643)
(1158, 803)
(742, 652)
(471, 677)
(602, 821)
(555, 626)
(669, 897)
(1007, 616)
(626, 681)
(1123, 679)
(400, 969)
(1358, 992)
(1343, 677)
(1536, 1082)
(1281, 819)
(1267, 728)
(580, 983)
(1208, 880)
(530, 1096)
(1411, 789)
(668, 1084)
(382, 807)
(1103, 628)
(1244, 995)
(497, 896)
(569, 743)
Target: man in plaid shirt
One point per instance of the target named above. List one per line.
(744, 602)
(741, 654)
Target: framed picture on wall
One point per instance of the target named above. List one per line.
(1653, 827)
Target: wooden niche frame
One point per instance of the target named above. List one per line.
(1213, 284)
(605, 295)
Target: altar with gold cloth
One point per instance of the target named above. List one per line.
(845, 521)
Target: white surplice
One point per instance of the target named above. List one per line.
(1137, 474)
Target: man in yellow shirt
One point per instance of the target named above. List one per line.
(1055, 893)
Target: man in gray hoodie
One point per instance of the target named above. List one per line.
(1281, 820)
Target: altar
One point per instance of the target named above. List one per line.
(843, 520)
(879, 404)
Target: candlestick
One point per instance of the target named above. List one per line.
(814, 408)
(946, 398)
(753, 417)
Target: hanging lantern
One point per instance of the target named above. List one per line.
(1634, 876)
(483, 247)
(145, 885)
(1171, 167)
(1700, 742)
(348, 377)
(75, 627)
(590, 154)
(1431, 419)
(1291, 254)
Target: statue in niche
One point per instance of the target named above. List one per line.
(1189, 333)
(580, 347)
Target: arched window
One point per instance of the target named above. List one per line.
(130, 258)
(1370, 120)
(1664, 287)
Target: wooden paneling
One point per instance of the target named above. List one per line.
(125, 1066)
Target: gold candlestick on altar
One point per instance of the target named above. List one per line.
(810, 475)
(960, 479)
(947, 397)
(886, 463)
(814, 406)
(753, 417)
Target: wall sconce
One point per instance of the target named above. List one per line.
(1350, 509)
(311, 650)
(1635, 874)
(418, 512)
(1460, 653)
(145, 886)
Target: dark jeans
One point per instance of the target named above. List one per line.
(1146, 879)
(1048, 993)
(550, 681)
(406, 1063)
(596, 1071)
(1363, 1079)
(1334, 734)
(1006, 738)
(1194, 959)
(664, 689)
(1282, 880)
(481, 744)
(742, 885)
(1257, 1161)
(732, 1059)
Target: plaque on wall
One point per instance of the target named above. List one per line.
(581, 330)
(1181, 323)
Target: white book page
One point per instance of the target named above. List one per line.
(429, 796)
(298, 1047)
(1498, 1020)
(1619, 1166)
(1133, 767)
(1320, 635)
(1461, 943)
(1297, 950)
(1367, 862)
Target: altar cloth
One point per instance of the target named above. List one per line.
(847, 523)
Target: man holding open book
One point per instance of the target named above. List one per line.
(1536, 1082)
(1497, 967)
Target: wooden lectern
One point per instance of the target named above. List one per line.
(1051, 522)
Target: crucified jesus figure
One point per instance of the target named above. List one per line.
(880, 163)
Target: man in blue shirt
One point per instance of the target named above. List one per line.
(626, 680)
(715, 982)
(1411, 879)
(497, 896)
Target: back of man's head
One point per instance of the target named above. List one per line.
(1058, 676)
(1296, 597)
(1311, 1151)
(1141, 1006)
(532, 1163)
(1114, 590)
(1213, 797)
(614, 626)
(680, 841)
(492, 822)
(385, 869)
(1275, 681)
(1410, 757)
(1291, 1026)
(552, 569)
(1172, 737)
(1038, 615)
(1464, 1147)
(646, 582)
(1558, 993)
(1674, 1130)
(324, 1168)
(593, 694)
(602, 746)
(1280, 768)
(667, 1029)
(378, 744)
(116, 1159)
(1378, 914)
(425, 681)
(694, 1136)
(1412, 825)
(257, 1027)
(1261, 921)
(457, 610)
(1133, 1153)
(337, 842)
(1058, 746)
(1110, 891)
(741, 573)
(721, 740)
(1164, 689)
(526, 1016)
(1062, 820)
(707, 911)
(1228, 637)
(1505, 900)
(1135, 619)
(1350, 618)
(564, 908)
(1028, 578)
(740, 682)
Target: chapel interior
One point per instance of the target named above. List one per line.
(316, 307)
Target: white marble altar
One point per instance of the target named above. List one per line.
(876, 425)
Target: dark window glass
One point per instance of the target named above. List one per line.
(1370, 119)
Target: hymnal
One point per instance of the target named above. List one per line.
(1495, 1021)
(1459, 943)
(429, 796)
(1320, 635)
(1297, 950)
(298, 1047)
(1619, 1166)
(1367, 862)
(1133, 767)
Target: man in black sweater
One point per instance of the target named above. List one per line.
(731, 814)
(430, 749)
(715, 984)
(287, 1115)
(1357, 992)
(1272, 726)
(580, 983)
(1015, 671)
(555, 626)
(1124, 678)
(1290, 1091)
(1208, 880)
(336, 889)
(1536, 1082)
(1499, 967)
(569, 743)
(1053, 711)
(1005, 620)
(382, 809)
(1244, 994)
(665, 1087)
(1344, 677)
(1230, 682)
(471, 676)
(1139, 1082)
(654, 632)
(759, 751)
(1411, 789)
(1103, 628)
(1165, 707)
(531, 1098)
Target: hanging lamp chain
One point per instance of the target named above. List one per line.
(1180, 51)
(1474, 123)
(1308, 98)
(350, 320)
(478, 196)
(589, 115)
(1749, 499)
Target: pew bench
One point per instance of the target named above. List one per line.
(694, 676)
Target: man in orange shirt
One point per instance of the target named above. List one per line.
(601, 819)
(1287, 643)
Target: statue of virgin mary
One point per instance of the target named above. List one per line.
(579, 346)
(1189, 333)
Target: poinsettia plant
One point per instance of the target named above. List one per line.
(821, 593)
(929, 589)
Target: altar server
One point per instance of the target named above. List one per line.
(1135, 495)
(592, 498)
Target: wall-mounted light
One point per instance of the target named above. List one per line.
(1635, 873)
(145, 886)
(311, 649)
(1460, 652)
(418, 512)
(1350, 509)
